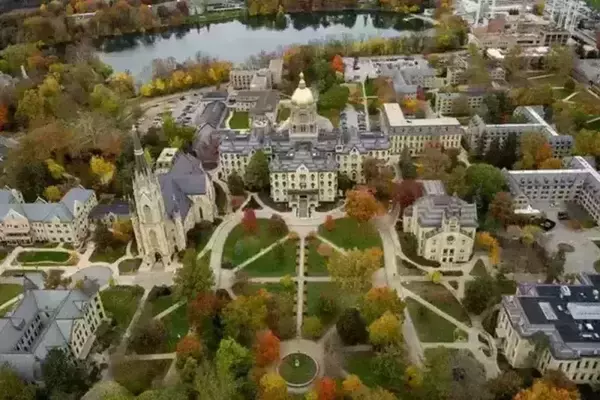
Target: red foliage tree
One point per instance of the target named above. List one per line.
(326, 389)
(189, 346)
(3, 115)
(329, 223)
(420, 94)
(203, 306)
(249, 221)
(337, 63)
(406, 192)
(266, 349)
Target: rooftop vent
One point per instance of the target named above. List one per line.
(589, 326)
(565, 291)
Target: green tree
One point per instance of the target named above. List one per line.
(175, 133)
(351, 327)
(335, 98)
(210, 385)
(407, 167)
(235, 184)
(257, 172)
(194, 277)
(561, 61)
(245, 316)
(556, 266)
(455, 182)
(64, 375)
(484, 181)
(233, 363)
(12, 387)
(479, 293)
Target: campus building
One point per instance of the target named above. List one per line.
(63, 222)
(579, 182)
(415, 134)
(305, 153)
(444, 227)
(553, 327)
(445, 101)
(47, 319)
(169, 201)
(257, 79)
(481, 135)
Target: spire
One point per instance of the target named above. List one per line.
(302, 83)
(141, 165)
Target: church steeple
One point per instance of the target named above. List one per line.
(141, 165)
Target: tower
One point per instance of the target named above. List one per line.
(148, 218)
(303, 112)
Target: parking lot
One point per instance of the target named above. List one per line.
(350, 118)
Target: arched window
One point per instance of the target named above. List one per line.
(147, 213)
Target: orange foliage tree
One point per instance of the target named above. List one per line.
(337, 63)
(545, 390)
(266, 349)
(362, 205)
(488, 242)
(189, 346)
(329, 223)
(203, 306)
(249, 221)
(326, 389)
(3, 115)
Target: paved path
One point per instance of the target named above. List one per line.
(300, 296)
(260, 253)
(123, 345)
(148, 357)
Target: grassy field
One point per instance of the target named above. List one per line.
(8, 291)
(253, 288)
(177, 326)
(130, 266)
(239, 120)
(121, 303)
(440, 297)
(315, 264)
(108, 255)
(33, 257)
(240, 245)
(282, 114)
(430, 326)
(360, 364)
(280, 261)
(349, 234)
(479, 269)
(161, 303)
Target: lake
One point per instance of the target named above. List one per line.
(238, 39)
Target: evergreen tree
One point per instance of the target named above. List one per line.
(257, 172)
(493, 154)
(508, 151)
(407, 168)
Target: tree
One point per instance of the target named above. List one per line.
(386, 330)
(273, 387)
(587, 143)
(556, 266)
(249, 221)
(212, 385)
(245, 316)
(535, 149)
(484, 181)
(514, 64)
(194, 277)
(63, 374)
(326, 389)
(148, 337)
(379, 300)
(502, 208)
(361, 205)
(266, 349)
(551, 163)
(460, 105)
(312, 327)
(352, 386)
(257, 172)
(353, 270)
(203, 306)
(455, 182)
(103, 169)
(233, 361)
(52, 193)
(407, 192)
(334, 98)
(188, 346)
(56, 170)
(12, 387)
(351, 327)
(407, 167)
(561, 61)
(434, 163)
(479, 293)
(505, 386)
(54, 280)
(337, 63)
(235, 184)
(545, 390)
(277, 225)
(329, 223)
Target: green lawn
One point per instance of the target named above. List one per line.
(239, 120)
(479, 269)
(360, 364)
(33, 257)
(302, 372)
(4, 310)
(276, 262)
(314, 291)
(441, 298)
(121, 303)
(177, 326)
(8, 291)
(349, 234)
(315, 264)
(282, 114)
(3, 254)
(138, 376)
(109, 254)
(253, 288)
(161, 303)
(430, 326)
(130, 266)
(240, 245)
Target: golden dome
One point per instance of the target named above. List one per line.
(302, 95)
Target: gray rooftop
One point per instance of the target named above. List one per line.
(432, 209)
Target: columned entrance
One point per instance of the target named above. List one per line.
(303, 206)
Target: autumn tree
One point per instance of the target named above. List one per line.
(327, 389)
(103, 169)
(455, 182)
(249, 221)
(502, 208)
(407, 167)
(551, 163)
(505, 386)
(361, 205)
(337, 64)
(194, 277)
(245, 316)
(52, 193)
(353, 270)
(202, 307)
(542, 389)
(434, 163)
(351, 327)
(188, 346)
(386, 330)
(266, 349)
(534, 150)
(379, 300)
(352, 386)
(3, 115)
(54, 279)
(407, 192)
(273, 387)
(329, 223)
(257, 172)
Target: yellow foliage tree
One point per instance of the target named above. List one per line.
(551, 163)
(52, 193)
(55, 169)
(105, 170)
(385, 331)
(435, 277)
(353, 270)
(147, 89)
(273, 387)
(488, 242)
(362, 205)
(413, 376)
(122, 230)
(352, 385)
(542, 390)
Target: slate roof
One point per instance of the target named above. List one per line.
(63, 306)
(41, 211)
(120, 208)
(432, 209)
(186, 178)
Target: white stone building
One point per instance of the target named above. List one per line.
(257, 79)
(168, 203)
(415, 134)
(63, 222)
(444, 101)
(47, 319)
(444, 227)
(553, 327)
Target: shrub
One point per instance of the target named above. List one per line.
(327, 307)
(351, 328)
(312, 328)
(293, 236)
(325, 250)
(329, 223)
(277, 225)
(188, 347)
(148, 337)
(249, 221)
